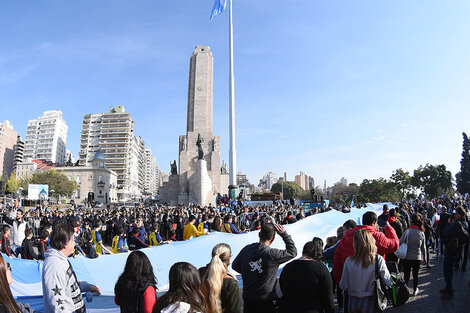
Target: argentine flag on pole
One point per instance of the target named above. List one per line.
(219, 7)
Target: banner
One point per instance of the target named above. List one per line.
(38, 192)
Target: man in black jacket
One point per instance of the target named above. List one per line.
(455, 235)
(259, 263)
(27, 251)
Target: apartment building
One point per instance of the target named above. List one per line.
(8, 138)
(46, 138)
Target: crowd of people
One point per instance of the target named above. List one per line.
(347, 265)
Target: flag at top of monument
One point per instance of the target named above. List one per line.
(219, 7)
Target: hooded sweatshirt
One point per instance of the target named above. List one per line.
(259, 264)
(60, 287)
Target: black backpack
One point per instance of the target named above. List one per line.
(464, 237)
(399, 291)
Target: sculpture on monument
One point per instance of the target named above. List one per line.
(223, 168)
(214, 145)
(174, 170)
(200, 144)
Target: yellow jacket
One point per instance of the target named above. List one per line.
(191, 231)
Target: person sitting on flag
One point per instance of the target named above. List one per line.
(97, 239)
(154, 238)
(190, 230)
(228, 227)
(134, 241)
(119, 241)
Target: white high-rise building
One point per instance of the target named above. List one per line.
(268, 180)
(46, 138)
(343, 181)
(113, 132)
(69, 156)
(151, 179)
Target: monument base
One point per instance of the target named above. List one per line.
(201, 184)
(233, 192)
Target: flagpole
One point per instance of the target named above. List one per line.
(232, 151)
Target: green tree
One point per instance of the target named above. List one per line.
(377, 190)
(433, 180)
(402, 181)
(56, 180)
(343, 194)
(462, 178)
(69, 161)
(12, 184)
(291, 189)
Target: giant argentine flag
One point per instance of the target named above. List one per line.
(219, 7)
(105, 270)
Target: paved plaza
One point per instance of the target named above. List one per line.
(429, 300)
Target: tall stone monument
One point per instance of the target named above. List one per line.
(199, 176)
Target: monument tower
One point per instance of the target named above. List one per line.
(199, 175)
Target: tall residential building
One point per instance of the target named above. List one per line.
(268, 181)
(302, 180)
(69, 157)
(343, 181)
(46, 138)
(151, 177)
(113, 132)
(8, 138)
(311, 183)
(19, 152)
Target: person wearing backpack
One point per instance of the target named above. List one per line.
(455, 235)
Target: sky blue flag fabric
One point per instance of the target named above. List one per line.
(219, 7)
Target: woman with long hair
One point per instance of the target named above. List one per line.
(135, 290)
(306, 283)
(415, 239)
(217, 224)
(219, 286)
(358, 278)
(184, 294)
(7, 302)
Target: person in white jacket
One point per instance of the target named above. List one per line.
(62, 292)
(358, 278)
(17, 232)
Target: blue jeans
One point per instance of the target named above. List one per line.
(447, 269)
(17, 250)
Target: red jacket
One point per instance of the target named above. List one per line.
(386, 243)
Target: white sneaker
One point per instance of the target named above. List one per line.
(415, 292)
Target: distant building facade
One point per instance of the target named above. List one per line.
(343, 181)
(8, 138)
(302, 180)
(95, 181)
(244, 185)
(268, 181)
(19, 152)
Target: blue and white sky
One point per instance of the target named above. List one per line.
(332, 88)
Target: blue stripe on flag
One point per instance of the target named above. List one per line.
(219, 7)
